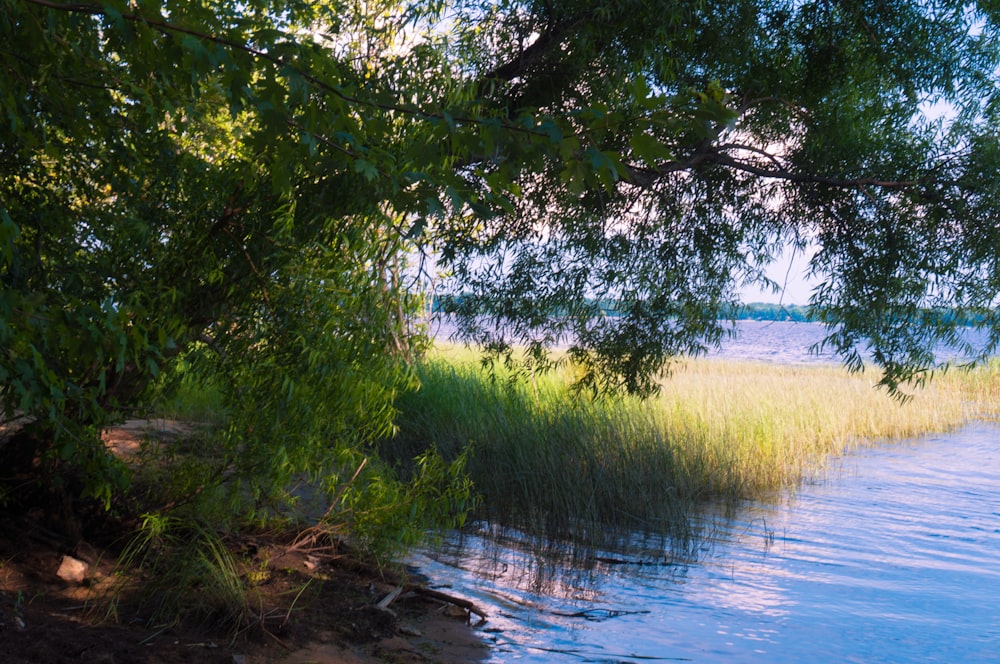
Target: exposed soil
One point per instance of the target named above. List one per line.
(305, 608)
(44, 619)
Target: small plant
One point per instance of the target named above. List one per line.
(19, 606)
(178, 570)
(260, 574)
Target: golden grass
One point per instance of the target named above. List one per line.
(546, 458)
(750, 426)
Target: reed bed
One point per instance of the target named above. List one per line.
(548, 460)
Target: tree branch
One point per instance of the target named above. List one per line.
(808, 178)
(166, 28)
(644, 176)
(528, 56)
(755, 150)
(636, 175)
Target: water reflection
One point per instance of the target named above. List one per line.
(895, 559)
(555, 569)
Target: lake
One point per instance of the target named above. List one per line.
(765, 341)
(892, 556)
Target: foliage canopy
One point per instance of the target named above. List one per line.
(256, 175)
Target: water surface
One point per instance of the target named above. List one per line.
(784, 342)
(895, 557)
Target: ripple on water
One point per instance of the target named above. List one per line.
(895, 560)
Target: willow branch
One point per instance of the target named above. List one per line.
(168, 28)
(808, 178)
(646, 176)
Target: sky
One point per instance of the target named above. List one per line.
(789, 271)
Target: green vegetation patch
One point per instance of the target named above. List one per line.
(551, 460)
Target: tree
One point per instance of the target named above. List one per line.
(168, 184)
(169, 170)
(696, 138)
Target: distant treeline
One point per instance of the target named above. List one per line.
(752, 311)
(764, 311)
(795, 312)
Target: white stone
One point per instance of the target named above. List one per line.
(72, 570)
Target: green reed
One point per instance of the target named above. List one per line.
(551, 460)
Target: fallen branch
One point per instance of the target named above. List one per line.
(469, 607)
(597, 614)
(307, 538)
(619, 561)
(384, 603)
(411, 589)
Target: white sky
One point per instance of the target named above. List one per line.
(789, 271)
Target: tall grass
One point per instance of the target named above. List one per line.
(178, 570)
(552, 461)
(185, 393)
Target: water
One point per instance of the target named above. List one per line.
(769, 341)
(789, 342)
(896, 558)
(782, 342)
(893, 557)
(786, 342)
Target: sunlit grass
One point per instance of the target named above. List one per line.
(184, 394)
(545, 458)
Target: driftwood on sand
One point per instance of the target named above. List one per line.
(411, 589)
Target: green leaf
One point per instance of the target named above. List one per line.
(649, 149)
(114, 15)
(366, 168)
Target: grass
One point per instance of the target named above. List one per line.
(548, 460)
(186, 574)
(185, 394)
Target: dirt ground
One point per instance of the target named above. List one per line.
(305, 609)
(47, 620)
